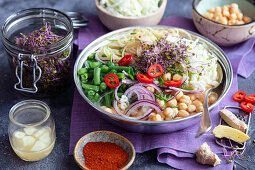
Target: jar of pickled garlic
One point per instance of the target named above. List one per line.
(38, 42)
(31, 130)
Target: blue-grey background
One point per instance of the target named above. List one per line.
(61, 105)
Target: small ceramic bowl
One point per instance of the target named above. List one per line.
(224, 35)
(104, 136)
(114, 22)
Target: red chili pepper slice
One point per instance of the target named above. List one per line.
(247, 107)
(173, 83)
(112, 80)
(126, 60)
(239, 96)
(155, 70)
(144, 78)
(250, 98)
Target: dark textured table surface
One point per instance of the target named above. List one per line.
(61, 105)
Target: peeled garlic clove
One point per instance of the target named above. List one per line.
(40, 132)
(28, 140)
(18, 134)
(30, 130)
(45, 138)
(38, 146)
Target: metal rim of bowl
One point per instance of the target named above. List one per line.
(194, 7)
(150, 123)
(116, 134)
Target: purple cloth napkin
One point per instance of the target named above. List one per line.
(176, 148)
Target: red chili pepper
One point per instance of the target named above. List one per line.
(144, 78)
(112, 80)
(247, 107)
(173, 83)
(155, 70)
(250, 98)
(126, 60)
(239, 96)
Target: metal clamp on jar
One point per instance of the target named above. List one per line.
(40, 65)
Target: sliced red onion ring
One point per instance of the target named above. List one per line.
(120, 113)
(146, 96)
(185, 91)
(128, 81)
(152, 85)
(173, 96)
(140, 103)
(116, 92)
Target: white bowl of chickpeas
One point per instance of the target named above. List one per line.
(225, 22)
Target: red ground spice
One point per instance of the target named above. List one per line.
(104, 155)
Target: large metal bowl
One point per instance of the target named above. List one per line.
(154, 126)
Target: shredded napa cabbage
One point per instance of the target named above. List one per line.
(130, 8)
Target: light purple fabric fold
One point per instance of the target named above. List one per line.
(175, 149)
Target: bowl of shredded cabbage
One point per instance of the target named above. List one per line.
(152, 79)
(116, 14)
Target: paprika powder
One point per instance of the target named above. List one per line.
(104, 155)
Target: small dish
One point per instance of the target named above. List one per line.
(114, 22)
(104, 136)
(224, 35)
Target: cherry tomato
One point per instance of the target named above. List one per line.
(173, 83)
(247, 107)
(155, 70)
(250, 98)
(239, 96)
(144, 78)
(112, 80)
(126, 60)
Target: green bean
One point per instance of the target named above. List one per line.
(96, 97)
(121, 75)
(131, 76)
(97, 76)
(92, 56)
(82, 71)
(121, 68)
(91, 93)
(90, 87)
(109, 64)
(94, 64)
(84, 76)
(112, 71)
(103, 86)
(104, 69)
(108, 100)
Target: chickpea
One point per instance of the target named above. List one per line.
(166, 76)
(225, 8)
(208, 15)
(183, 113)
(246, 19)
(107, 109)
(233, 16)
(213, 98)
(177, 77)
(168, 112)
(226, 13)
(240, 22)
(183, 106)
(223, 20)
(113, 111)
(191, 108)
(234, 8)
(231, 22)
(177, 117)
(199, 108)
(157, 117)
(218, 9)
(211, 10)
(192, 97)
(178, 97)
(197, 103)
(239, 16)
(172, 102)
(175, 110)
(161, 103)
(151, 89)
(185, 99)
(168, 118)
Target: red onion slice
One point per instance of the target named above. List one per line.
(185, 91)
(152, 85)
(142, 103)
(116, 92)
(173, 96)
(128, 81)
